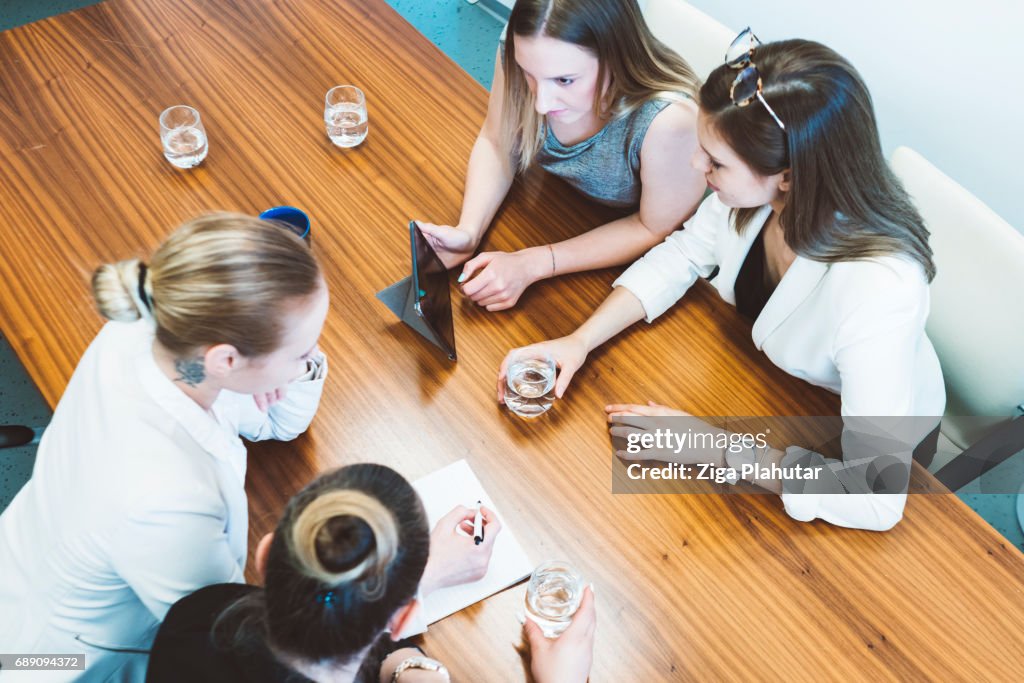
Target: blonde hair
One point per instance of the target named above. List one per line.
(637, 65)
(221, 278)
(326, 522)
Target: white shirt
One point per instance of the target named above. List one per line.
(856, 328)
(136, 500)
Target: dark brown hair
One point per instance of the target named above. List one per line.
(844, 202)
(349, 550)
(640, 66)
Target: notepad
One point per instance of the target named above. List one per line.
(443, 490)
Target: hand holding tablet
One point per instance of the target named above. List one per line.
(423, 300)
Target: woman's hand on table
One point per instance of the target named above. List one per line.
(454, 557)
(568, 658)
(652, 409)
(637, 424)
(265, 400)
(452, 245)
(496, 279)
(569, 353)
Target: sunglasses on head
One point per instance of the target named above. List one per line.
(747, 86)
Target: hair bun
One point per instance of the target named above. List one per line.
(349, 550)
(344, 542)
(344, 536)
(116, 290)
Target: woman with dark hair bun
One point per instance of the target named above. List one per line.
(818, 244)
(350, 556)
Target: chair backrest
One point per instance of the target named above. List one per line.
(977, 314)
(698, 38)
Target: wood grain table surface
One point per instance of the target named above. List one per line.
(694, 587)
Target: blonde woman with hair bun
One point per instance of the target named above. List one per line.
(343, 574)
(584, 90)
(137, 494)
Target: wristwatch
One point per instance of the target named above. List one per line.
(736, 461)
(418, 662)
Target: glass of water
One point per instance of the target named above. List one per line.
(183, 136)
(553, 596)
(345, 115)
(530, 383)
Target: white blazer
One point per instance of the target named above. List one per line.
(136, 500)
(856, 328)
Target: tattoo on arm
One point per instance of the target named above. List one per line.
(190, 371)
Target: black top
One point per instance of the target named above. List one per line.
(184, 649)
(752, 287)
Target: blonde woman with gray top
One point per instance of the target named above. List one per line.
(137, 495)
(584, 90)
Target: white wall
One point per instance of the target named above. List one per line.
(947, 77)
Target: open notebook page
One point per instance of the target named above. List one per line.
(441, 491)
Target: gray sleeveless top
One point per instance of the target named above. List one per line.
(605, 166)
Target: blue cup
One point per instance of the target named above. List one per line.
(289, 217)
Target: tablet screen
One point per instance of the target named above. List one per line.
(431, 278)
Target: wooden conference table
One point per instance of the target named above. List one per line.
(689, 587)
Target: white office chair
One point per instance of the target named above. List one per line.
(698, 38)
(976, 321)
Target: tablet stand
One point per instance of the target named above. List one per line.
(399, 298)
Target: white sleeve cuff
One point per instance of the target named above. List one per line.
(316, 369)
(656, 293)
(826, 498)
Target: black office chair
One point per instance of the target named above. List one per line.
(1000, 444)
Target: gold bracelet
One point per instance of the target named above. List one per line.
(420, 662)
(552, 249)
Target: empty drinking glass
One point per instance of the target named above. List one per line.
(183, 136)
(530, 383)
(345, 115)
(553, 596)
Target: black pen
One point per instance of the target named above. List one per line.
(478, 528)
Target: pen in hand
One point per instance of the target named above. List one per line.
(478, 529)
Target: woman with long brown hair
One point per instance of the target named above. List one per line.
(815, 241)
(584, 90)
(137, 495)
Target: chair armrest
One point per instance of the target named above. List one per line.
(990, 451)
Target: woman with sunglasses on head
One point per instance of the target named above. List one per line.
(816, 242)
(137, 496)
(582, 89)
(342, 573)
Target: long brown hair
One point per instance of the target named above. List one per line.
(221, 278)
(637, 65)
(349, 550)
(844, 202)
